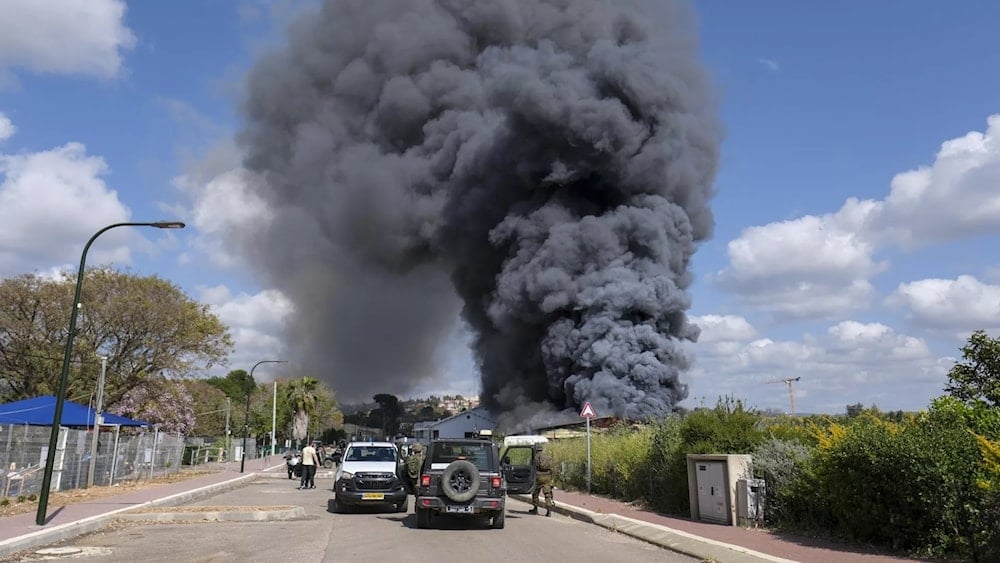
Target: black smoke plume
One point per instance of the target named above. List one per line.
(549, 161)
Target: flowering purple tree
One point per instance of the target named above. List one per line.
(158, 400)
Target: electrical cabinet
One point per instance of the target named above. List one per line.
(750, 495)
(711, 480)
(712, 485)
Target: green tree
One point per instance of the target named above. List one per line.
(145, 325)
(209, 408)
(236, 384)
(977, 378)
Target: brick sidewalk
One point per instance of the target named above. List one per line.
(777, 544)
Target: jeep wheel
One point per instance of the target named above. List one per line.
(423, 517)
(460, 481)
(498, 519)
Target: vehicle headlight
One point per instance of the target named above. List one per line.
(346, 475)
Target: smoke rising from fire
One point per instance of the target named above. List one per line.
(543, 166)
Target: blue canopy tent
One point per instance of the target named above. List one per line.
(40, 410)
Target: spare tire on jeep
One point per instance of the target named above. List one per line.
(460, 481)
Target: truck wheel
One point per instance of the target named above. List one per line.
(460, 481)
(423, 517)
(498, 519)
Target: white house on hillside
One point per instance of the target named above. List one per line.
(462, 425)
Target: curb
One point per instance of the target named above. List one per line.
(662, 536)
(278, 513)
(325, 474)
(94, 523)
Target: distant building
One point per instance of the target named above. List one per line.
(578, 428)
(462, 425)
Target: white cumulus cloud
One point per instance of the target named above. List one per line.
(820, 265)
(959, 304)
(51, 202)
(957, 196)
(723, 328)
(64, 36)
(7, 128)
(255, 321)
(222, 206)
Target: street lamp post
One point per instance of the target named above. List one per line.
(274, 415)
(246, 419)
(43, 497)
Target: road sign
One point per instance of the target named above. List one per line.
(588, 411)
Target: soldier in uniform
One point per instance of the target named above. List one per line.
(543, 480)
(413, 464)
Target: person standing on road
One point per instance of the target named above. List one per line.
(543, 480)
(309, 462)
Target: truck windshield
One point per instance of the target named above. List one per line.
(481, 455)
(371, 453)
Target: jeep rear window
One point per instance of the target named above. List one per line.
(371, 453)
(481, 455)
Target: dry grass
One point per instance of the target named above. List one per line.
(74, 496)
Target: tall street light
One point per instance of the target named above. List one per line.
(246, 420)
(50, 460)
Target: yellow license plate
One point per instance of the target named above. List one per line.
(372, 496)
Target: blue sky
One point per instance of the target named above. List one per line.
(133, 116)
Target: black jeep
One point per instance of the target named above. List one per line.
(461, 477)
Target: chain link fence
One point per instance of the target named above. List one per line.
(120, 456)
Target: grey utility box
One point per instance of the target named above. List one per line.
(750, 502)
(712, 482)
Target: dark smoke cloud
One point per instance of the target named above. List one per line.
(548, 161)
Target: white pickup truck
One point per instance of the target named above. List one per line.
(369, 475)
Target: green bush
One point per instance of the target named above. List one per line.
(618, 462)
(907, 486)
(781, 463)
(729, 428)
(789, 429)
(978, 417)
(668, 468)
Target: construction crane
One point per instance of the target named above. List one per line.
(791, 393)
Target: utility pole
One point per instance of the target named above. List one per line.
(791, 392)
(229, 405)
(98, 420)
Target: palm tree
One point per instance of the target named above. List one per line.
(302, 400)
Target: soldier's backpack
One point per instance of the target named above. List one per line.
(413, 464)
(543, 462)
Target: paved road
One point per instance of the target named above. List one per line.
(370, 536)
